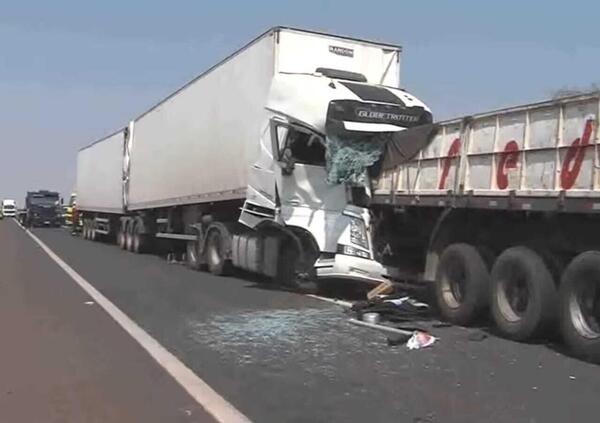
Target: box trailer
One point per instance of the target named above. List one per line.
(501, 211)
(237, 163)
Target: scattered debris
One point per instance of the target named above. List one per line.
(373, 318)
(393, 309)
(382, 328)
(420, 340)
(385, 287)
(399, 339)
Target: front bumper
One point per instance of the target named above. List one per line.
(352, 268)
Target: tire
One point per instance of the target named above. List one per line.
(141, 241)
(462, 284)
(129, 236)
(86, 229)
(215, 253)
(192, 255)
(92, 231)
(524, 294)
(580, 306)
(121, 238)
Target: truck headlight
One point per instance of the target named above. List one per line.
(358, 233)
(349, 250)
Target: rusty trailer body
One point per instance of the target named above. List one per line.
(500, 213)
(542, 156)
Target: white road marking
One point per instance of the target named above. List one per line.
(207, 397)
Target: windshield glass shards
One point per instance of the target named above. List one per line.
(349, 158)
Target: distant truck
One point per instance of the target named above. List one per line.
(43, 208)
(500, 211)
(9, 208)
(236, 164)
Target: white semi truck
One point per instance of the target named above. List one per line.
(9, 208)
(501, 211)
(248, 163)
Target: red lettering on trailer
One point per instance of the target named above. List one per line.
(509, 159)
(574, 157)
(452, 152)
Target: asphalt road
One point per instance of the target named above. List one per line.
(62, 360)
(283, 357)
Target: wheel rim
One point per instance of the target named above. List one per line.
(191, 253)
(214, 253)
(453, 285)
(128, 240)
(513, 295)
(584, 308)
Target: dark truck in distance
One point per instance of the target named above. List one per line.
(43, 208)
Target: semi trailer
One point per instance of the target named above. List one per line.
(260, 163)
(501, 212)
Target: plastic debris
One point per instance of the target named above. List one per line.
(385, 287)
(420, 340)
(89, 303)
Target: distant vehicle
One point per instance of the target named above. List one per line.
(9, 208)
(43, 208)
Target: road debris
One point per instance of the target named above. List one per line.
(420, 340)
(385, 287)
(399, 339)
(89, 303)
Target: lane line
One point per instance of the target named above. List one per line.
(204, 395)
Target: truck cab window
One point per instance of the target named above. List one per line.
(306, 148)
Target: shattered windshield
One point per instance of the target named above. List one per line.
(348, 158)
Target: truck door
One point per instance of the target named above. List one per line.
(302, 175)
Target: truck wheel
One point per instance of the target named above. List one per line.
(129, 236)
(121, 241)
(523, 294)
(192, 257)
(86, 229)
(215, 253)
(580, 305)
(141, 241)
(92, 228)
(462, 284)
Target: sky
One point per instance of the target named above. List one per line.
(72, 71)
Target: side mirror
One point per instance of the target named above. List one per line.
(62, 201)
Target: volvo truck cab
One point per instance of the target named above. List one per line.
(323, 133)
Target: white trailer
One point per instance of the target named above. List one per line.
(501, 212)
(235, 163)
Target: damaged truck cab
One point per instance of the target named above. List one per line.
(260, 163)
(324, 131)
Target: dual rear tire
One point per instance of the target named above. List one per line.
(519, 290)
(521, 293)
